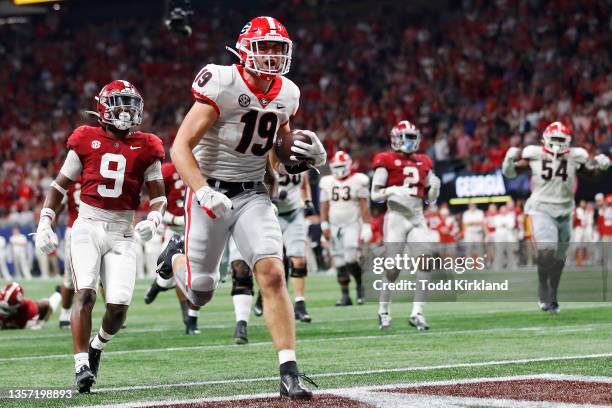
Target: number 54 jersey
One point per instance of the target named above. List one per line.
(235, 147)
(343, 196)
(553, 179)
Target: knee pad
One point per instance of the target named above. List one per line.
(199, 298)
(205, 283)
(241, 284)
(299, 272)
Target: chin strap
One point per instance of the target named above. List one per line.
(233, 51)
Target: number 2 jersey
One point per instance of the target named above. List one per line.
(235, 148)
(553, 179)
(343, 196)
(112, 170)
(410, 171)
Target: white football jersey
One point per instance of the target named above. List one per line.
(343, 197)
(236, 146)
(553, 180)
(473, 216)
(292, 185)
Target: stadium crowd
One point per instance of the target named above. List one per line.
(476, 79)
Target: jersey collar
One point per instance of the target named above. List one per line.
(264, 98)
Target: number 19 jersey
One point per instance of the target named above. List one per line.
(234, 149)
(553, 179)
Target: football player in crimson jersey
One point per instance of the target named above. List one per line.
(17, 312)
(174, 219)
(114, 163)
(71, 201)
(554, 166)
(405, 179)
(345, 221)
(220, 152)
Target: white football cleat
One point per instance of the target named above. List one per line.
(384, 321)
(418, 321)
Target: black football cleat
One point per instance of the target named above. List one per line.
(292, 386)
(64, 324)
(191, 328)
(345, 301)
(554, 308)
(360, 295)
(94, 359)
(85, 379)
(153, 292)
(258, 309)
(240, 335)
(300, 312)
(176, 245)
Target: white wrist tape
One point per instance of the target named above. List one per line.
(156, 217)
(324, 225)
(47, 212)
(59, 188)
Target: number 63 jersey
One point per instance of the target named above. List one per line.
(235, 148)
(553, 179)
(343, 195)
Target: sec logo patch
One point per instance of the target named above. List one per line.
(95, 144)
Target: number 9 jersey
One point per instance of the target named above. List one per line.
(553, 180)
(113, 170)
(234, 149)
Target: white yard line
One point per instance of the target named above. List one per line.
(372, 393)
(538, 329)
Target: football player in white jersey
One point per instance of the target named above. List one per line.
(554, 166)
(345, 221)
(220, 152)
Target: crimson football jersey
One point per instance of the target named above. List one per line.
(74, 199)
(175, 190)
(405, 170)
(114, 169)
(26, 311)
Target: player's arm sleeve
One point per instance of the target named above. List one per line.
(206, 86)
(153, 172)
(323, 189)
(433, 184)
(72, 166)
(379, 182)
(364, 186)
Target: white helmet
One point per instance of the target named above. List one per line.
(557, 138)
(340, 165)
(405, 137)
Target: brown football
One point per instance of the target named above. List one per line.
(282, 146)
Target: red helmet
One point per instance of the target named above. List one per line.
(556, 138)
(120, 104)
(10, 298)
(405, 137)
(340, 165)
(267, 62)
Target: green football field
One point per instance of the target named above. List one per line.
(153, 360)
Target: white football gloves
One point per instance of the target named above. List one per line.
(366, 233)
(603, 162)
(215, 204)
(434, 184)
(46, 240)
(314, 151)
(146, 228)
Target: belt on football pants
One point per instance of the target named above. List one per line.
(233, 188)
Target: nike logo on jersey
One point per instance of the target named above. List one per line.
(135, 147)
(279, 106)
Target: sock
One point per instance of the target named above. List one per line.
(417, 308)
(54, 301)
(299, 299)
(164, 283)
(242, 307)
(65, 315)
(193, 313)
(100, 340)
(184, 308)
(383, 307)
(287, 361)
(80, 360)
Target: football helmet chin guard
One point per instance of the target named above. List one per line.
(405, 137)
(257, 59)
(11, 298)
(556, 138)
(341, 164)
(120, 105)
